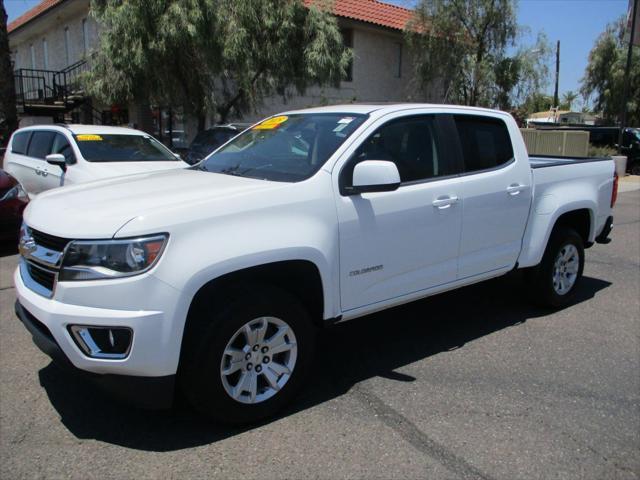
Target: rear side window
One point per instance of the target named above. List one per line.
(40, 144)
(19, 144)
(62, 145)
(485, 142)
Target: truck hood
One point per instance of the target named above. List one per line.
(99, 209)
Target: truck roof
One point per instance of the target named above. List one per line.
(368, 108)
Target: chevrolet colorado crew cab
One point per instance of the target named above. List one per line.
(213, 279)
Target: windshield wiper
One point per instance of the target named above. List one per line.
(232, 171)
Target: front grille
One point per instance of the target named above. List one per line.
(49, 241)
(42, 276)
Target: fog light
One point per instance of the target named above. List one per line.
(103, 342)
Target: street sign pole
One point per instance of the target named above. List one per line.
(556, 101)
(627, 69)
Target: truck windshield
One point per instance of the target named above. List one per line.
(122, 148)
(286, 148)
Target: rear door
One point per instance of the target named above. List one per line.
(18, 164)
(496, 190)
(39, 147)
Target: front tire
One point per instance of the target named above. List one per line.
(557, 277)
(247, 358)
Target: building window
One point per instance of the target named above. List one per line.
(67, 46)
(399, 50)
(33, 56)
(85, 36)
(45, 54)
(347, 39)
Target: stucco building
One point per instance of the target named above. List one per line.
(51, 45)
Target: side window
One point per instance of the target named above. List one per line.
(40, 144)
(19, 143)
(485, 142)
(62, 145)
(411, 144)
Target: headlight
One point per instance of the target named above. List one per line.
(15, 192)
(98, 259)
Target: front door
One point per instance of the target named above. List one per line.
(402, 242)
(54, 175)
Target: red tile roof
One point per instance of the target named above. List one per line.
(29, 15)
(369, 11)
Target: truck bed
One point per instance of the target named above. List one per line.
(543, 161)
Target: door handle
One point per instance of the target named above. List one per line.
(515, 189)
(444, 202)
(38, 171)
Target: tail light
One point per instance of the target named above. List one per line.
(614, 192)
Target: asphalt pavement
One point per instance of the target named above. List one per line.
(476, 383)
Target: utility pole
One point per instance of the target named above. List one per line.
(555, 92)
(625, 92)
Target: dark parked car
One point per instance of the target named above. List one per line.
(13, 200)
(208, 140)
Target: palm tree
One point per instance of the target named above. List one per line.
(568, 98)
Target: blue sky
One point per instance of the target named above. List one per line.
(576, 23)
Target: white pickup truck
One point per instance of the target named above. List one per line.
(214, 279)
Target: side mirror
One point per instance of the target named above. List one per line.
(57, 159)
(374, 176)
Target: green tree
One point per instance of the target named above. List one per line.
(522, 75)
(567, 100)
(462, 43)
(604, 76)
(535, 102)
(8, 113)
(218, 57)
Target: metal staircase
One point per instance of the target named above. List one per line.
(50, 92)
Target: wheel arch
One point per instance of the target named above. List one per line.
(301, 278)
(579, 215)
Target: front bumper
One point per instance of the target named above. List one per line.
(150, 308)
(142, 304)
(146, 392)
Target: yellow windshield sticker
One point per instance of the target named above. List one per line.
(271, 123)
(88, 138)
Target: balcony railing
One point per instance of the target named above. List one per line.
(56, 89)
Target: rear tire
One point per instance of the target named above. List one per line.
(228, 372)
(557, 277)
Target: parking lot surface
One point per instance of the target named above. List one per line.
(476, 383)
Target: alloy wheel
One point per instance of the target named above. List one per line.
(258, 360)
(565, 269)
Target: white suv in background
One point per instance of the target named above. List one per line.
(43, 157)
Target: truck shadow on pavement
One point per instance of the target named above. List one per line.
(372, 346)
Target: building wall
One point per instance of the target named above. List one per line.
(379, 56)
(50, 27)
(382, 68)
